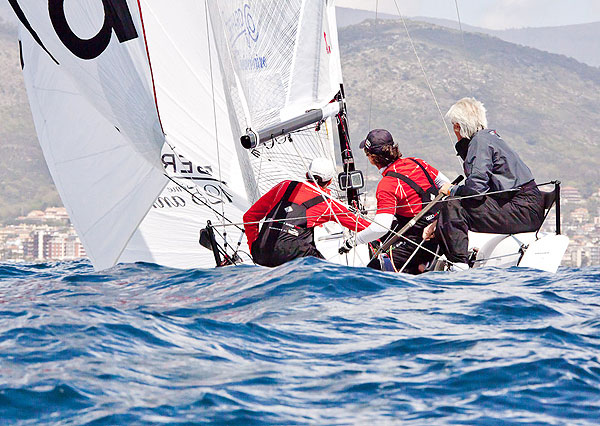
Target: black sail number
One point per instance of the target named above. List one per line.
(117, 18)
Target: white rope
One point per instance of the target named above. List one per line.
(318, 188)
(420, 246)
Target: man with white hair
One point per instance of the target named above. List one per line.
(292, 210)
(491, 166)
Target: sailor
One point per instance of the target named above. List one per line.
(490, 165)
(292, 210)
(406, 186)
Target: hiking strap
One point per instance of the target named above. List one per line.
(427, 175)
(410, 183)
(313, 201)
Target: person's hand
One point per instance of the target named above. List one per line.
(445, 189)
(346, 247)
(429, 231)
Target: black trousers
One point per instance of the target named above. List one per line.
(523, 212)
(282, 252)
(403, 250)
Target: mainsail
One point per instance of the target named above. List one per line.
(139, 107)
(279, 60)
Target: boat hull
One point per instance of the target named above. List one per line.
(529, 250)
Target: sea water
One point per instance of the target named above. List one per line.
(305, 343)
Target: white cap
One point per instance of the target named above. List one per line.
(323, 168)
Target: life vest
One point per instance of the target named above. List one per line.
(284, 235)
(426, 195)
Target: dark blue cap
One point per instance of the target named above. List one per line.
(377, 139)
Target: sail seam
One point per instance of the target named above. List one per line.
(150, 66)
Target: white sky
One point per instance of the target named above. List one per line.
(493, 14)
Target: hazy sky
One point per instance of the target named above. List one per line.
(493, 14)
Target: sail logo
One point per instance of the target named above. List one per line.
(179, 166)
(189, 179)
(177, 195)
(240, 24)
(117, 19)
(244, 34)
(256, 63)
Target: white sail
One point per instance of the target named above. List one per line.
(102, 150)
(125, 91)
(277, 62)
(201, 154)
(101, 76)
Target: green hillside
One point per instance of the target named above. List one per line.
(25, 182)
(545, 105)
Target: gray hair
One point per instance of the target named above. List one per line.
(469, 113)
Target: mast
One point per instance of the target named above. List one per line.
(346, 150)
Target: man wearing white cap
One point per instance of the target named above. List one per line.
(292, 209)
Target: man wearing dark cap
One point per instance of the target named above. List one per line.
(407, 185)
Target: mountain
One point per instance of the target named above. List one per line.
(545, 105)
(346, 16)
(25, 182)
(579, 41)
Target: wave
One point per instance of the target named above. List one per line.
(308, 342)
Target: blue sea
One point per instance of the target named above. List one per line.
(305, 343)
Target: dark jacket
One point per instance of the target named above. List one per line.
(490, 164)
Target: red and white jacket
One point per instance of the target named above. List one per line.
(324, 212)
(395, 197)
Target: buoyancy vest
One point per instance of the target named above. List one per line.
(285, 234)
(426, 195)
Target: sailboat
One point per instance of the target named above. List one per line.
(162, 122)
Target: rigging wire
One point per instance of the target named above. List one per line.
(373, 64)
(359, 214)
(195, 197)
(464, 45)
(212, 84)
(375, 34)
(412, 44)
(326, 197)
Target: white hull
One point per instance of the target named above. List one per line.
(544, 251)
